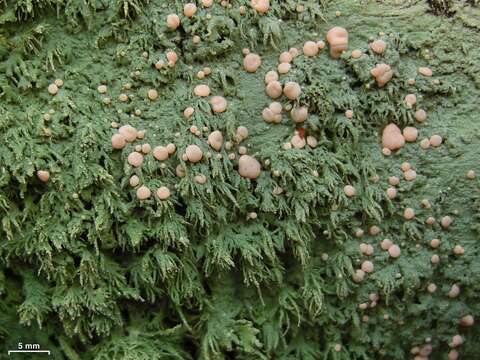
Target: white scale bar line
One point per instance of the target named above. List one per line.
(28, 351)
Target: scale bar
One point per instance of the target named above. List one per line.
(28, 351)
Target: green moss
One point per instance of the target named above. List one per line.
(90, 272)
